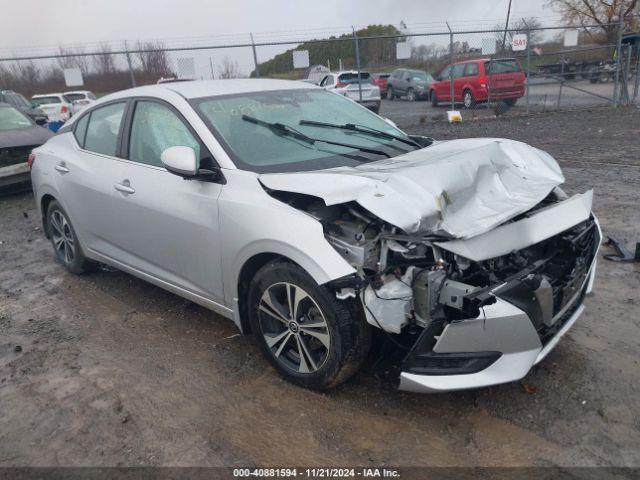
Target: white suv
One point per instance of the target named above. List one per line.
(346, 83)
(80, 99)
(57, 106)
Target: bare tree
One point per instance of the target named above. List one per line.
(431, 51)
(103, 62)
(521, 26)
(604, 14)
(27, 75)
(154, 59)
(228, 69)
(73, 59)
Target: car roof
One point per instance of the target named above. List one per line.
(39, 95)
(78, 91)
(211, 88)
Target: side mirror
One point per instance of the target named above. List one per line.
(180, 160)
(41, 121)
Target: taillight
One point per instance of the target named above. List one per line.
(340, 85)
(483, 81)
(30, 159)
(64, 109)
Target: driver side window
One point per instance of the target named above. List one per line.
(155, 127)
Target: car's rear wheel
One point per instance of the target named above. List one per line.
(308, 335)
(467, 99)
(411, 95)
(434, 99)
(64, 240)
(510, 101)
(390, 94)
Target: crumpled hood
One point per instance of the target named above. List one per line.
(461, 188)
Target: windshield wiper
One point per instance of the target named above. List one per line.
(282, 129)
(362, 129)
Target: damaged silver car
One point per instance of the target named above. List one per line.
(317, 225)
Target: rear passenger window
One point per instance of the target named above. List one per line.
(471, 70)
(458, 70)
(103, 128)
(80, 130)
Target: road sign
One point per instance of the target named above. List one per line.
(300, 58)
(519, 42)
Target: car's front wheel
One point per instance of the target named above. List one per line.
(309, 336)
(411, 95)
(64, 240)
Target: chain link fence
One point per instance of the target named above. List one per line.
(563, 67)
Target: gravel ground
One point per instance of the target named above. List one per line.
(105, 369)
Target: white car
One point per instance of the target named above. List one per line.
(312, 222)
(346, 83)
(57, 106)
(80, 99)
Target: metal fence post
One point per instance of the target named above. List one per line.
(528, 66)
(618, 53)
(357, 47)
(255, 56)
(451, 66)
(133, 78)
(561, 83)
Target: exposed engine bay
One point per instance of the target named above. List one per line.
(412, 283)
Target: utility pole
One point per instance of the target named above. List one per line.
(211, 65)
(133, 78)
(355, 38)
(255, 56)
(453, 103)
(506, 26)
(618, 53)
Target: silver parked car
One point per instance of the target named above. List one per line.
(312, 222)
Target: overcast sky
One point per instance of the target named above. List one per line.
(43, 23)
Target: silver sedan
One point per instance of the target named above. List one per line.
(315, 224)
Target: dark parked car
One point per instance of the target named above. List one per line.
(380, 79)
(18, 136)
(479, 80)
(18, 102)
(413, 84)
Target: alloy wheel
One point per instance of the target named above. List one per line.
(62, 237)
(294, 328)
(411, 95)
(468, 100)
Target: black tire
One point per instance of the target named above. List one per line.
(467, 99)
(511, 101)
(65, 242)
(390, 94)
(375, 109)
(344, 328)
(434, 98)
(411, 95)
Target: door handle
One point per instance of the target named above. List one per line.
(124, 187)
(61, 168)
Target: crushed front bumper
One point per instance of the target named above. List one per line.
(500, 345)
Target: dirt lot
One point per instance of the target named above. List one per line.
(105, 369)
